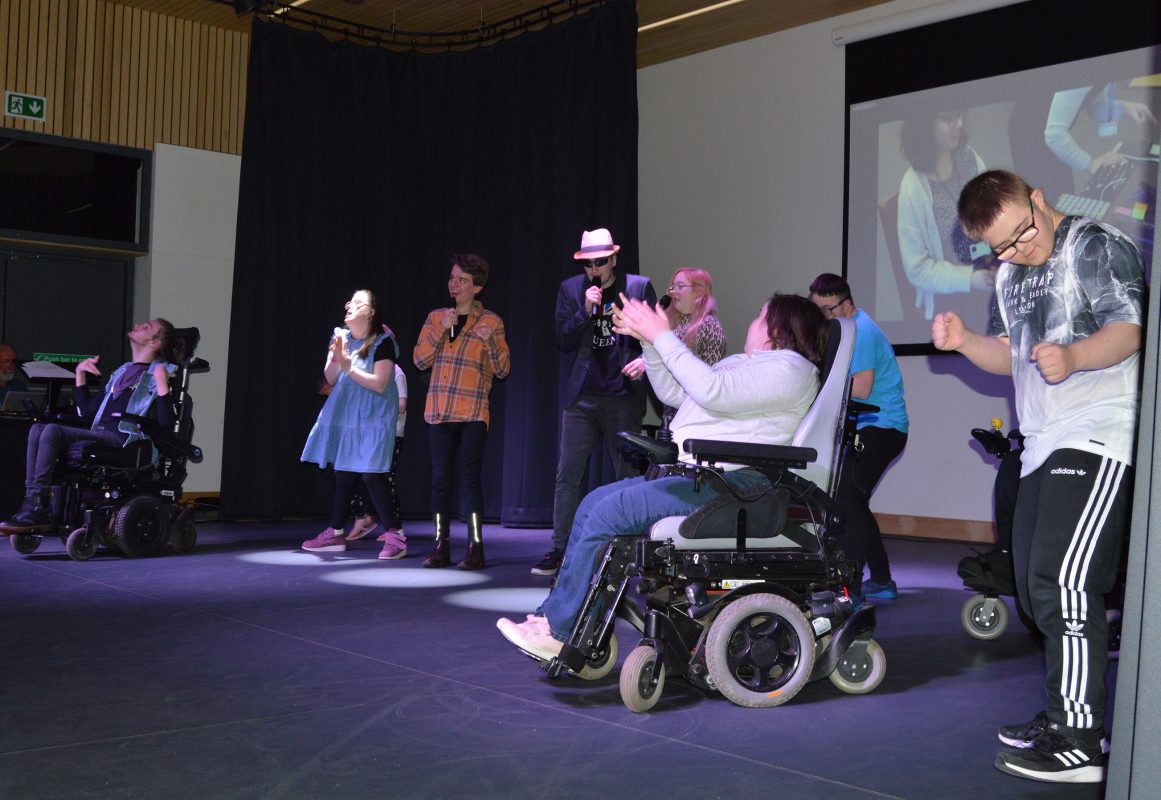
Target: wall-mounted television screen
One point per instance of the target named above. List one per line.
(73, 194)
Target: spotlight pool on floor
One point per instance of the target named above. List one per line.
(393, 577)
(511, 601)
(299, 558)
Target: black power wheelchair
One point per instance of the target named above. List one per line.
(127, 498)
(748, 595)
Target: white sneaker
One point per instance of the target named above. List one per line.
(531, 636)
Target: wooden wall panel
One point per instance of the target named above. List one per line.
(121, 75)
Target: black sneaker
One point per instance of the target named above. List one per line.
(549, 565)
(1057, 757)
(1022, 735)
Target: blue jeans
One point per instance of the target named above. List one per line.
(618, 509)
(586, 420)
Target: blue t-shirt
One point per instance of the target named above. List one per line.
(873, 351)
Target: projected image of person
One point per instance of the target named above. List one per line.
(1105, 108)
(1043, 134)
(355, 430)
(1066, 325)
(937, 255)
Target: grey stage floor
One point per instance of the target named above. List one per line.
(250, 669)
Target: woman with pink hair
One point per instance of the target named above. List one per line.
(694, 317)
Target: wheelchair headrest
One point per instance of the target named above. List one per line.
(189, 339)
(822, 424)
(833, 338)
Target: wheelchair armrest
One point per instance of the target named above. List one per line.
(656, 450)
(858, 407)
(750, 454)
(163, 438)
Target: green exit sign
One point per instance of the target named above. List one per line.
(25, 106)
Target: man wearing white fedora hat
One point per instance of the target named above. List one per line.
(604, 394)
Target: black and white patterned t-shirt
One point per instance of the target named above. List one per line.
(1093, 277)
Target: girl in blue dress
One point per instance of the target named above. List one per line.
(355, 431)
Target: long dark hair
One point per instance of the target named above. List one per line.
(917, 140)
(795, 323)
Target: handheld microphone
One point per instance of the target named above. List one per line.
(451, 332)
(597, 283)
(665, 302)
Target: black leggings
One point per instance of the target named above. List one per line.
(361, 504)
(377, 487)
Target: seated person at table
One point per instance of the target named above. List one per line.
(140, 386)
(759, 397)
(11, 378)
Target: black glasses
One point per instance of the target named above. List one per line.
(1005, 252)
(829, 310)
(593, 263)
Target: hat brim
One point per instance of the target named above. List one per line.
(585, 255)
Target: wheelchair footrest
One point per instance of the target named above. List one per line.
(570, 658)
(861, 624)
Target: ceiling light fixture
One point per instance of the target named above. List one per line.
(292, 4)
(687, 15)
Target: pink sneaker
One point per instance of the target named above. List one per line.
(394, 546)
(383, 536)
(329, 540)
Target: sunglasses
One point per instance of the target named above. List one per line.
(593, 263)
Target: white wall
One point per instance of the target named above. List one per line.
(188, 278)
(741, 172)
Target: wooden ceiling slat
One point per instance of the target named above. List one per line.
(739, 22)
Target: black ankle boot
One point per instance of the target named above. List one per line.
(34, 513)
(440, 554)
(475, 557)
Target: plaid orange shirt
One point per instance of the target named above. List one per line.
(461, 371)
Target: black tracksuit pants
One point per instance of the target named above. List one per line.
(1068, 530)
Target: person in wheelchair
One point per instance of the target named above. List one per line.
(139, 386)
(760, 396)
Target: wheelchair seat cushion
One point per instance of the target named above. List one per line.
(136, 454)
(765, 511)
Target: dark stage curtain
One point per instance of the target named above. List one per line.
(364, 168)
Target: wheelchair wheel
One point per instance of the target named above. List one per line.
(184, 535)
(760, 650)
(595, 670)
(860, 674)
(981, 622)
(139, 527)
(80, 545)
(636, 692)
(24, 543)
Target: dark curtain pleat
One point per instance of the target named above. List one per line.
(364, 168)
